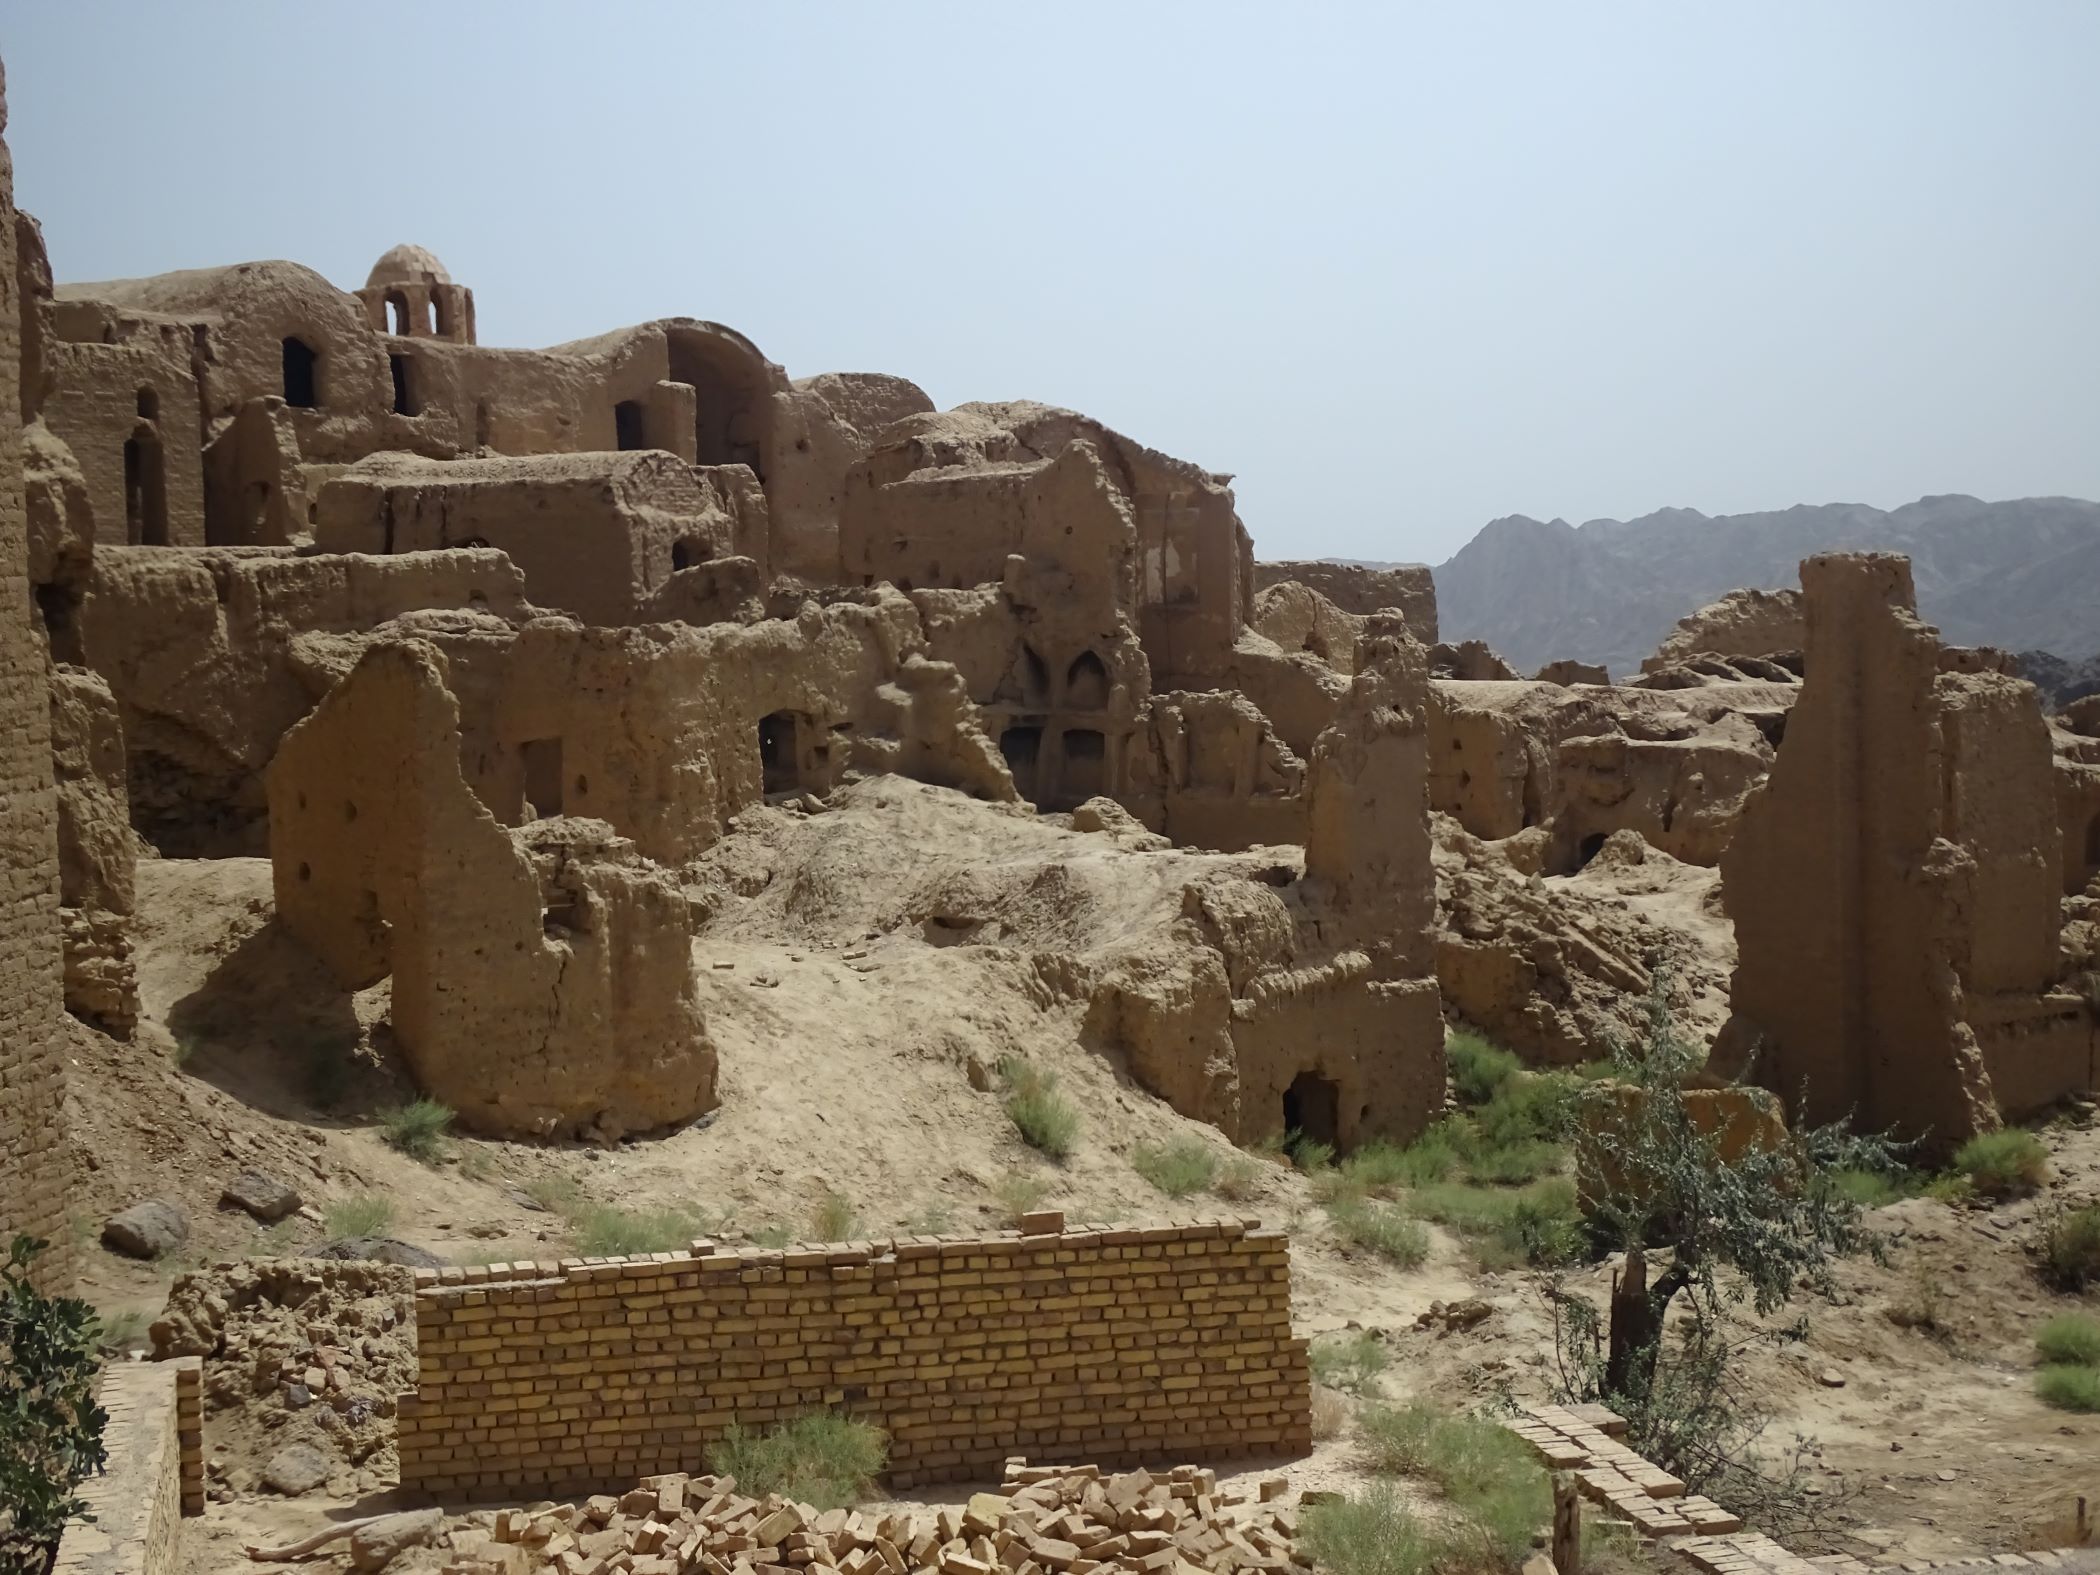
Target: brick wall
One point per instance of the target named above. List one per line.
(33, 1171)
(1117, 1346)
(139, 1500)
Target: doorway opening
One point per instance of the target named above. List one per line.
(543, 776)
(302, 375)
(627, 425)
(1312, 1108)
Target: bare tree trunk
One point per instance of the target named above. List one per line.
(1636, 1329)
(1567, 1525)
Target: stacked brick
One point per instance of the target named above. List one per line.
(1754, 1553)
(1043, 1521)
(135, 1503)
(1112, 1346)
(1585, 1440)
(33, 1168)
(189, 1429)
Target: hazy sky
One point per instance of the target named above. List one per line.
(1401, 269)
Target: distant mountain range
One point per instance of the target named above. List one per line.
(2023, 574)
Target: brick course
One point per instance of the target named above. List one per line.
(1121, 1345)
(137, 1502)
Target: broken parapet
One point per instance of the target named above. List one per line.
(542, 976)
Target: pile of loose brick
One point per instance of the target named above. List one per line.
(1585, 1440)
(1044, 1520)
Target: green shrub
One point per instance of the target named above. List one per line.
(834, 1217)
(1309, 1155)
(1866, 1189)
(931, 1219)
(601, 1231)
(2070, 1257)
(1045, 1119)
(2069, 1388)
(1478, 1069)
(118, 1332)
(822, 1459)
(2008, 1163)
(417, 1129)
(362, 1215)
(1380, 1167)
(1348, 1361)
(771, 1237)
(1373, 1534)
(1019, 1193)
(1380, 1228)
(1177, 1167)
(555, 1194)
(1487, 1473)
(1240, 1180)
(50, 1425)
(1531, 1107)
(1540, 1225)
(2073, 1339)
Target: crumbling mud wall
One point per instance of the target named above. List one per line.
(542, 977)
(1099, 1345)
(97, 852)
(1208, 771)
(1892, 885)
(1407, 588)
(1742, 623)
(35, 1169)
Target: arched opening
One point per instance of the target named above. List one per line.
(729, 395)
(543, 776)
(148, 405)
(405, 403)
(1312, 1108)
(1022, 745)
(1035, 679)
(302, 375)
(1086, 685)
(1589, 848)
(429, 316)
(145, 490)
(1084, 774)
(440, 316)
(397, 313)
(687, 551)
(627, 425)
(778, 763)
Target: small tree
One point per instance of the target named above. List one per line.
(1657, 1179)
(50, 1425)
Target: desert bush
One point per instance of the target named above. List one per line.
(1487, 1473)
(361, 1215)
(1867, 1189)
(2070, 1248)
(1380, 1167)
(2069, 1388)
(771, 1237)
(555, 1194)
(1539, 1225)
(1348, 1361)
(118, 1332)
(1330, 1413)
(1477, 1067)
(1371, 1534)
(2008, 1163)
(1045, 1119)
(50, 1425)
(1309, 1155)
(417, 1129)
(823, 1459)
(930, 1219)
(1380, 1228)
(1019, 1193)
(2073, 1339)
(1177, 1167)
(834, 1217)
(599, 1230)
(1923, 1306)
(1239, 1180)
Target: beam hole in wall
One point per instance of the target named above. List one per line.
(302, 374)
(543, 776)
(778, 766)
(1086, 684)
(1084, 774)
(405, 403)
(1022, 745)
(627, 425)
(1312, 1108)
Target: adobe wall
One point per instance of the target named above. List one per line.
(1168, 1343)
(97, 852)
(35, 1180)
(1208, 771)
(1408, 588)
(1742, 623)
(141, 389)
(154, 1475)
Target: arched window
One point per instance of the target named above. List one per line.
(148, 405)
(145, 490)
(404, 385)
(302, 374)
(1086, 685)
(440, 315)
(397, 312)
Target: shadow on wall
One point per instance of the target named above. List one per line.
(271, 1028)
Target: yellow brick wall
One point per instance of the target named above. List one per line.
(137, 1500)
(1170, 1343)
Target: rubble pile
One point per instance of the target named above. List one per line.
(1044, 1520)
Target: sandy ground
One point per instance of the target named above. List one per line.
(852, 1073)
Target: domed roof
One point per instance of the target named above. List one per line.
(407, 265)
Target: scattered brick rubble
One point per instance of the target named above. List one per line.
(1044, 1520)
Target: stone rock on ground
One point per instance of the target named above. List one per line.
(265, 1197)
(151, 1229)
(296, 1469)
(376, 1544)
(377, 1249)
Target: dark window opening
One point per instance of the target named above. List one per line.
(1084, 773)
(1589, 848)
(397, 313)
(543, 776)
(481, 424)
(1086, 685)
(1035, 678)
(148, 405)
(687, 551)
(145, 491)
(404, 386)
(58, 602)
(1022, 745)
(302, 375)
(627, 425)
(1312, 1108)
(562, 916)
(777, 762)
